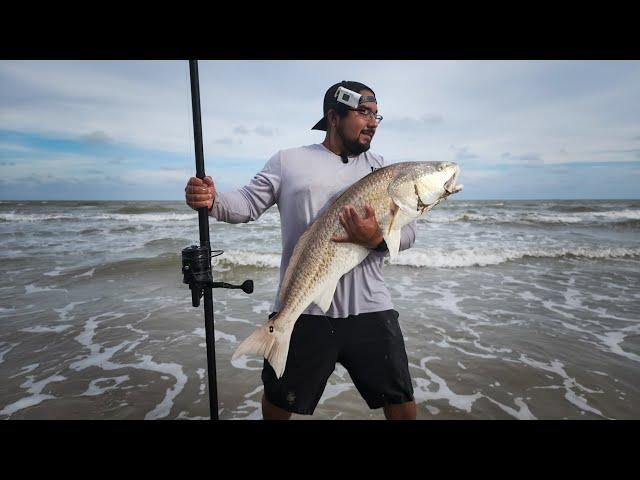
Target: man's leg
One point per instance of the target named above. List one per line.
(401, 411)
(377, 362)
(271, 412)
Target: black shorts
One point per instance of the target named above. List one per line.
(370, 346)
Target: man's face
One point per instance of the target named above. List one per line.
(356, 129)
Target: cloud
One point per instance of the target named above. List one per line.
(240, 130)
(14, 147)
(467, 176)
(259, 130)
(413, 123)
(67, 115)
(265, 131)
(55, 162)
(617, 151)
(97, 137)
(527, 158)
(463, 153)
(171, 178)
(227, 141)
(592, 155)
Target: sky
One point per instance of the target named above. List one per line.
(122, 130)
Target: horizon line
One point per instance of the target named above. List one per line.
(181, 199)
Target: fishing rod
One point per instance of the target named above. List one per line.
(196, 260)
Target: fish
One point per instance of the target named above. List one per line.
(399, 193)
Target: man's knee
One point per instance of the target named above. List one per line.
(401, 411)
(271, 412)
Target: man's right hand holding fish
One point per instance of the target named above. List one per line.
(363, 231)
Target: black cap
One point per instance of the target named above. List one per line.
(330, 100)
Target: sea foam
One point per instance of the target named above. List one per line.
(470, 257)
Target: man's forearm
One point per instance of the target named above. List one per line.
(408, 236)
(231, 207)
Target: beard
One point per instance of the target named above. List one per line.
(353, 147)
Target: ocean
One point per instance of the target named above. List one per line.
(509, 309)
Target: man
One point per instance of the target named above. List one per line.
(360, 330)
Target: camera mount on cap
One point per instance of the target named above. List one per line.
(351, 98)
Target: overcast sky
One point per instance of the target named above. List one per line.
(123, 129)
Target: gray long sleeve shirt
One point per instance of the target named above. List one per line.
(303, 182)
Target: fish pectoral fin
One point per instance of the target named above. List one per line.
(394, 215)
(392, 239)
(325, 295)
(402, 198)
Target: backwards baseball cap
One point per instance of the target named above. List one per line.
(330, 100)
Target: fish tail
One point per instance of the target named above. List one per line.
(269, 342)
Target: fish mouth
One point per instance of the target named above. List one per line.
(450, 186)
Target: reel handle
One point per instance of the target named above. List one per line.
(246, 287)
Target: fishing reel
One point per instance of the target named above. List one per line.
(196, 270)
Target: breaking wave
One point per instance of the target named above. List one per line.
(232, 258)
(166, 261)
(137, 210)
(438, 258)
(575, 208)
(172, 261)
(586, 217)
(149, 217)
(38, 217)
(414, 257)
(74, 217)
